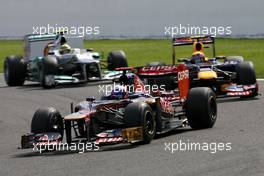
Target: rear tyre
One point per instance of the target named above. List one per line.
(201, 108)
(116, 59)
(49, 66)
(14, 71)
(47, 120)
(140, 114)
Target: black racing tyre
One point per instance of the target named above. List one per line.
(246, 73)
(116, 59)
(246, 76)
(201, 108)
(14, 70)
(140, 114)
(155, 64)
(234, 59)
(49, 66)
(47, 120)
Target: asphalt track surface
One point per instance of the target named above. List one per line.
(240, 123)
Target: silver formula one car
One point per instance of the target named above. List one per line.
(45, 62)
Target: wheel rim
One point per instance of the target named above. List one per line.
(212, 107)
(150, 124)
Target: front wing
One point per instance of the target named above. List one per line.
(234, 90)
(115, 136)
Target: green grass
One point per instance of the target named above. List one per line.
(9, 47)
(140, 52)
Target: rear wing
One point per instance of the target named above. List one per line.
(183, 41)
(155, 71)
(190, 40)
(34, 44)
(180, 71)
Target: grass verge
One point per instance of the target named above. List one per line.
(142, 51)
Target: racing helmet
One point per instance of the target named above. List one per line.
(198, 54)
(198, 47)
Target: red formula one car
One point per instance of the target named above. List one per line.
(131, 113)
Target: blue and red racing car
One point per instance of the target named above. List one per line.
(125, 116)
(227, 76)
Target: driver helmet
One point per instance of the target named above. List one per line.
(198, 54)
(198, 47)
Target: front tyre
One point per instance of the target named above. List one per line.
(140, 114)
(246, 76)
(201, 108)
(47, 120)
(49, 67)
(14, 71)
(245, 73)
